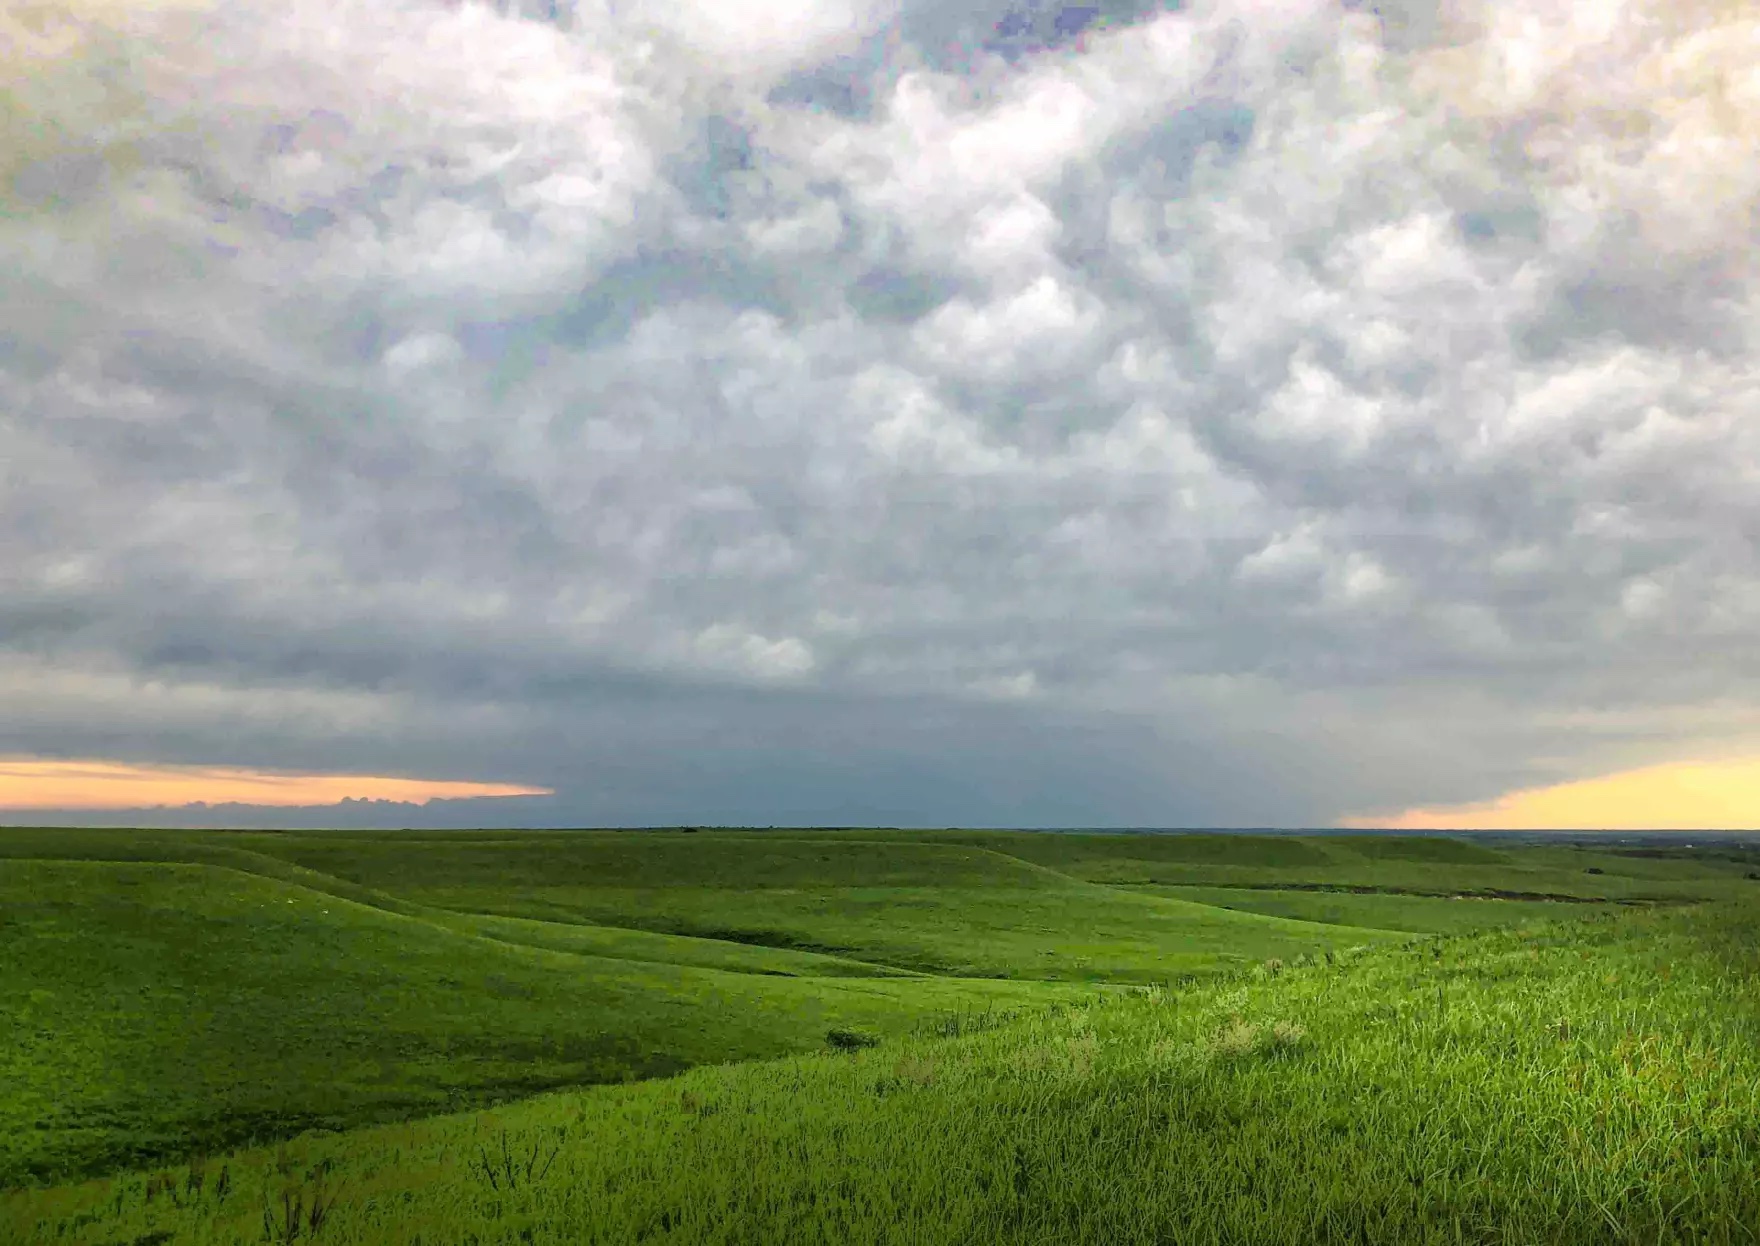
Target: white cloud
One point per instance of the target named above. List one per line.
(1362, 581)
(1021, 686)
(758, 39)
(1044, 327)
(912, 427)
(813, 230)
(420, 351)
(727, 644)
(1012, 238)
(1286, 557)
(1314, 406)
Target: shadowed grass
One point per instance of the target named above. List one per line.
(1394, 863)
(627, 944)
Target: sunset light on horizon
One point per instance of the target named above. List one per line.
(1678, 796)
(33, 785)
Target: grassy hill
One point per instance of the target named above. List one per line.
(151, 1009)
(1589, 1082)
(1394, 864)
(165, 994)
(938, 908)
(1415, 914)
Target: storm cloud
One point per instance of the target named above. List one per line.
(1251, 412)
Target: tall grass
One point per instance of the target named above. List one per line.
(151, 1010)
(1596, 1081)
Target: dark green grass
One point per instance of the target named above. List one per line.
(627, 944)
(1414, 914)
(1593, 1082)
(1427, 849)
(720, 861)
(382, 863)
(1421, 865)
(150, 1009)
(1523, 875)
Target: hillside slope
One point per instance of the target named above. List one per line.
(1591, 1083)
(150, 1009)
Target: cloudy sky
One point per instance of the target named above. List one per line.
(918, 412)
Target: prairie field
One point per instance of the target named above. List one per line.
(874, 1036)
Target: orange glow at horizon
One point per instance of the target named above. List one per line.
(1677, 796)
(27, 784)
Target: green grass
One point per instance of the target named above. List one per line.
(1394, 864)
(1588, 1082)
(625, 944)
(938, 908)
(717, 861)
(1414, 914)
(267, 853)
(1073, 933)
(892, 903)
(1115, 857)
(170, 991)
(152, 1009)
(1298, 1068)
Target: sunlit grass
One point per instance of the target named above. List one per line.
(148, 1009)
(1415, 914)
(1269, 1077)
(1591, 1082)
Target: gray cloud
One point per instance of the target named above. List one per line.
(1264, 413)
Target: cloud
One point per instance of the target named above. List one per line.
(756, 40)
(1353, 404)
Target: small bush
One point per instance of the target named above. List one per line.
(849, 1040)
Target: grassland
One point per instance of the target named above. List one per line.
(930, 907)
(156, 1008)
(1592, 1082)
(1414, 914)
(1079, 1038)
(1383, 864)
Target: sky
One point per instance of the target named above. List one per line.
(1240, 413)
